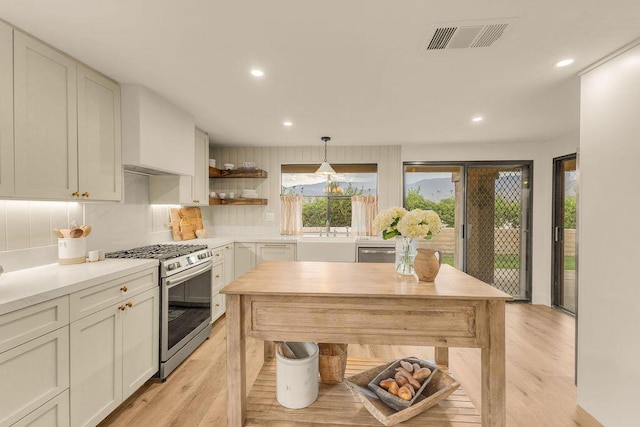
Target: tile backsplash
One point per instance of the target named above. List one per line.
(25, 224)
(27, 240)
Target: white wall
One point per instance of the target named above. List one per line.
(272, 158)
(608, 313)
(27, 240)
(542, 154)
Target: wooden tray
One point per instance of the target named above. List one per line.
(396, 402)
(439, 388)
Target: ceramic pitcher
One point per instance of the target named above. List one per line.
(427, 264)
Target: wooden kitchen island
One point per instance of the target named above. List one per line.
(366, 304)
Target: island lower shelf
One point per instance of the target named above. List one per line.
(336, 405)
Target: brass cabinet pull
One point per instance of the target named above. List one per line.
(85, 194)
(217, 276)
(75, 194)
(122, 308)
(124, 289)
(129, 304)
(217, 254)
(217, 305)
(196, 201)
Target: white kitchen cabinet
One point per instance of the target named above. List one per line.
(244, 259)
(33, 373)
(217, 283)
(96, 366)
(45, 116)
(34, 358)
(229, 262)
(184, 189)
(248, 255)
(140, 336)
(218, 306)
(67, 127)
(99, 137)
(54, 413)
(275, 252)
(6, 110)
(200, 181)
(113, 350)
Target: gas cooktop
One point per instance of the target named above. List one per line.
(159, 252)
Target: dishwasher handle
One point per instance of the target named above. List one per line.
(377, 251)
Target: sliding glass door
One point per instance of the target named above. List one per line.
(486, 210)
(565, 284)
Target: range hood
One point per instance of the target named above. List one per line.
(158, 138)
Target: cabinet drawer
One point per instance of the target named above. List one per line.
(32, 374)
(96, 298)
(54, 413)
(217, 277)
(218, 254)
(219, 307)
(20, 326)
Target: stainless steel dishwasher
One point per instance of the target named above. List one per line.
(377, 254)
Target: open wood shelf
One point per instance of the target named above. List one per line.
(336, 405)
(237, 173)
(237, 201)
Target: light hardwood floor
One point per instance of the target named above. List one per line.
(540, 369)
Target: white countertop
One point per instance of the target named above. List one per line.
(22, 288)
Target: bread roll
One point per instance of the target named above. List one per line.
(404, 393)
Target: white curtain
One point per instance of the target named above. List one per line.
(291, 214)
(363, 210)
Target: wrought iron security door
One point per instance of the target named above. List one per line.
(497, 226)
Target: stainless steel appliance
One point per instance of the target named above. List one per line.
(185, 298)
(377, 254)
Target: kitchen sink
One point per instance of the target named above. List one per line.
(334, 249)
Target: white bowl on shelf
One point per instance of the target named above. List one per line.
(229, 166)
(248, 165)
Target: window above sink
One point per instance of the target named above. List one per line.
(327, 200)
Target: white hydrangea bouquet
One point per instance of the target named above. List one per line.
(408, 226)
(397, 221)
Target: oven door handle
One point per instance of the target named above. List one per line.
(373, 251)
(181, 279)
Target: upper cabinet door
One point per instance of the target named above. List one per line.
(6, 110)
(201, 178)
(46, 158)
(99, 137)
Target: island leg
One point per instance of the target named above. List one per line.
(269, 350)
(236, 367)
(442, 356)
(494, 412)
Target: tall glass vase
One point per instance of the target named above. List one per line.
(406, 251)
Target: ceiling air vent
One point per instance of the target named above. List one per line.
(462, 35)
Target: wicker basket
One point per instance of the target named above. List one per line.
(332, 363)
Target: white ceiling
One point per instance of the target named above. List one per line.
(350, 69)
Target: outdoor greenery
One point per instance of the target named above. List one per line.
(314, 209)
(507, 213)
(570, 212)
(445, 208)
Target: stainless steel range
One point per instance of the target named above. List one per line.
(185, 298)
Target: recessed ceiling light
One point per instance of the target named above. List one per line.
(287, 123)
(564, 62)
(477, 119)
(257, 72)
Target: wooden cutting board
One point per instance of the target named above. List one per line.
(185, 222)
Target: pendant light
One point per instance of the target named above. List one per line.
(325, 168)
